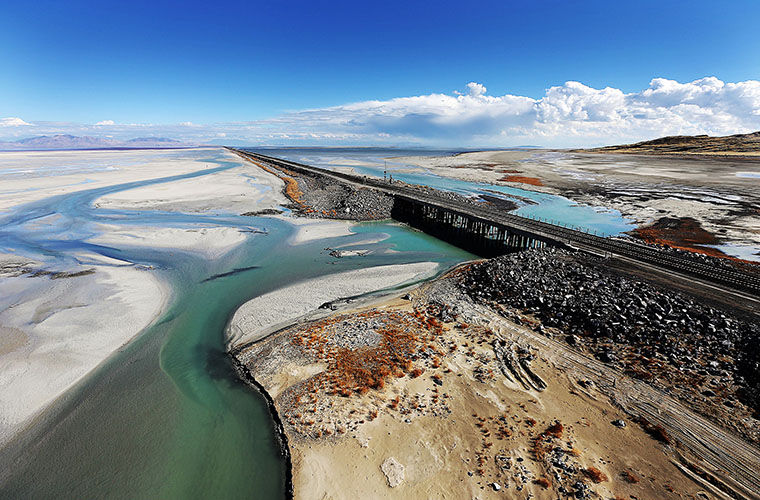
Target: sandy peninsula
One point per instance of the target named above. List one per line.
(432, 395)
(260, 316)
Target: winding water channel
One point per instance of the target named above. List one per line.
(165, 416)
(373, 161)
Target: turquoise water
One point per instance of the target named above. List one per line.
(165, 416)
(558, 209)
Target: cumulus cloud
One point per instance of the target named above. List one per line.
(568, 115)
(13, 122)
(572, 114)
(476, 89)
(105, 123)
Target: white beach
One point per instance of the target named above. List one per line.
(53, 332)
(266, 313)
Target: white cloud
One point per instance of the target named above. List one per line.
(572, 114)
(476, 89)
(105, 123)
(13, 122)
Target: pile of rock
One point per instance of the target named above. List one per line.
(356, 333)
(335, 200)
(614, 315)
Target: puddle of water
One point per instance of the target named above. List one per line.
(744, 252)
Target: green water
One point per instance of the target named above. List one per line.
(165, 417)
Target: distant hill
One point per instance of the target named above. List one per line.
(45, 142)
(730, 145)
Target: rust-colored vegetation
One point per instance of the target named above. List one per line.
(595, 475)
(541, 442)
(555, 430)
(657, 431)
(629, 477)
(684, 233)
(533, 181)
(543, 482)
(292, 191)
(404, 338)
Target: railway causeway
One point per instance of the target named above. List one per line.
(489, 232)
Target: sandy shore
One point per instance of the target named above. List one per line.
(209, 241)
(264, 314)
(308, 230)
(237, 190)
(55, 331)
(412, 399)
(34, 175)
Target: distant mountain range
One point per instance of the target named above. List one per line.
(730, 145)
(44, 142)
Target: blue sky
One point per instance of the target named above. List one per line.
(218, 65)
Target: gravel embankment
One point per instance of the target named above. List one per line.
(326, 198)
(707, 357)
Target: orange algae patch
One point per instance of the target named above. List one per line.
(533, 181)
(684, 233)
(291, 186)
(292, 191)
(403, 337)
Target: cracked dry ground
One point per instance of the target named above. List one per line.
(439, 404)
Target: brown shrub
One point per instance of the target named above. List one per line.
(555, 430)
(595, 475)
(543, 482)
(629, 477)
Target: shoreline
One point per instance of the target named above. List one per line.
(18, 419)
(645, 189)
(315, 449)
(63, 330)
(245, 376)
(262, 315)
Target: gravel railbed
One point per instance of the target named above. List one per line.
(706, 356)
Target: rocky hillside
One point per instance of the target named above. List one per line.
(740, 144)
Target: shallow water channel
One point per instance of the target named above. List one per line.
(373, 161)
(165, 416)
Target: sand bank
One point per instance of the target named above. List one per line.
(238, 190)
(34, 175)
(55, 331)
(266, 313)
(308, 230)
(207, 240)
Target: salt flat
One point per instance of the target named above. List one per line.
(55, 331)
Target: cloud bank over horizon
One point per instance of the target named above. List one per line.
(568, 115)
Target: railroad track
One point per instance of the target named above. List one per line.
(734, 279)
